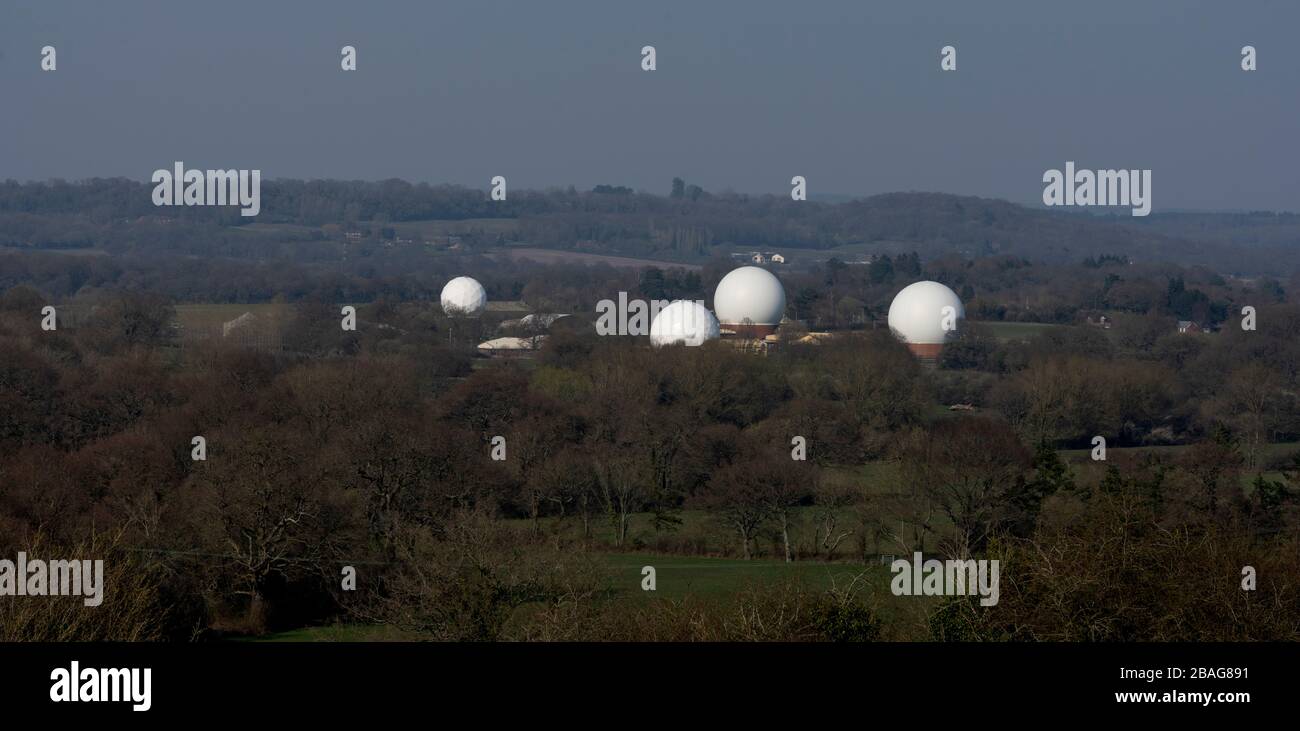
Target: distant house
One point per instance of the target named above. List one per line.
(1187, 326)
(1102, 322)
(759, 257)
(353, 235)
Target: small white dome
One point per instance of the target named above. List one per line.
(463, 296)
(749, 295)
(917, 313)
(684, 321)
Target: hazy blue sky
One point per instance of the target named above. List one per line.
(847, 93)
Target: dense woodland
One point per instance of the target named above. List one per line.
(371, 448)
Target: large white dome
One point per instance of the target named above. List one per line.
(749, 295)
(463, 296)
(917, 313)
(683, 321)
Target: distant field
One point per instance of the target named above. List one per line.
(70, 252)
(875, 477)
(1014, 330)
(337, 633)
(679, 577)
(440, 227)
(213, 315)
(861, 249)
(274, 228)
(1267, 452)
(403, 228)
(550, 256)
(264, 330)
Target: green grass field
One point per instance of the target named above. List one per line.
(679, 577)
(213, 315)
(341, 632)
(711, 580)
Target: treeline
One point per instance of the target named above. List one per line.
(831, 296)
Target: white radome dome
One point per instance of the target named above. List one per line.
(463, 296)
(917, 313)
(684, 321)
(749, 295)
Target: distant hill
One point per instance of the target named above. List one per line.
(117, 215)
(938, 223)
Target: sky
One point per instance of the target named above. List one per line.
(746, 95)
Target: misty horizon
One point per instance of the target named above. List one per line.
(849, 96)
